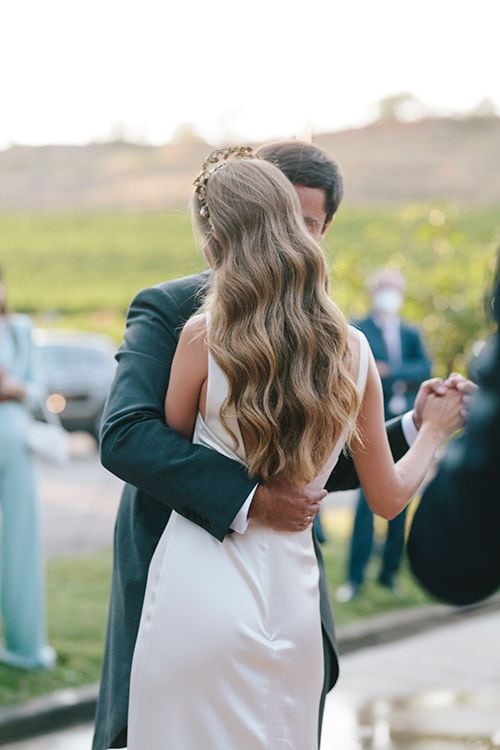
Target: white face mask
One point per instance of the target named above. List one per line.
(387, 301)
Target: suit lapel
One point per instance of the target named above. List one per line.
(376, 340)
(405, 343)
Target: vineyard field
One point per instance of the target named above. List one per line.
(81, 271)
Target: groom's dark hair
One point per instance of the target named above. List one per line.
(307, 165)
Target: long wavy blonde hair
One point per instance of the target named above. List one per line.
(274, 331)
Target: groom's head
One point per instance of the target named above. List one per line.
(316, 177)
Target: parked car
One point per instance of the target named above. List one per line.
(78, 369)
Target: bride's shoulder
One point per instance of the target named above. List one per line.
(193, 335)
(191, 351)
(195, 325)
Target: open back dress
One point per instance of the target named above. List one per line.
(229, 654)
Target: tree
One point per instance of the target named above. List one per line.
(399, 107)
(185, 133)
(483, 109)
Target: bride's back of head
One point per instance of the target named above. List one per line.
(274, 331)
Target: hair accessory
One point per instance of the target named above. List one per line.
(212, 163)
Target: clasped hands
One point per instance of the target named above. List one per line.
(455, 386)
(286, 507)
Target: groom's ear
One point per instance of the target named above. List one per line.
(326, 226)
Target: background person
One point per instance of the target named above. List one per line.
(403, 364)
(453, 544)
(21, 571)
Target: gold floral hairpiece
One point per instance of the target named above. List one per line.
(212, 163)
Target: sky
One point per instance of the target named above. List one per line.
(73, 71)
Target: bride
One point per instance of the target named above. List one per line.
(229, 651)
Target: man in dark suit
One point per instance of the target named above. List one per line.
(166, 472)
(403, 364)
(453, 545)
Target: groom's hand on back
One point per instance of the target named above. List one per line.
(284, 506)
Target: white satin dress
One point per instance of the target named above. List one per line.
(229, 654)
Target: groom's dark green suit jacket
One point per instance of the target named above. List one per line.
(165, 472)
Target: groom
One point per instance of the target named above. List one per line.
(166, 472)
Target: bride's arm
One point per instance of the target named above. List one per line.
(389, 487)
(188, 374)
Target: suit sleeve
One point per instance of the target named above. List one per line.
(136, 443)
(454, 538)
(344, 476)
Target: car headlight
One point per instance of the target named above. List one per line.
(56, 403)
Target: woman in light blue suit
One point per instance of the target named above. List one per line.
(21, 570)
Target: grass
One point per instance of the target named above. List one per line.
(78, 591)
(373, 599)
(77, 600)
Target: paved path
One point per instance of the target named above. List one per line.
(79, 502)
(435, 691)
(441, 686)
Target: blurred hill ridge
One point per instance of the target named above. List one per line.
(386, 162)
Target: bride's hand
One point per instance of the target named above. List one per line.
(443, 414)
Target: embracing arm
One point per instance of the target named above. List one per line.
(345, 477)
(136, 443)
(401, 431)
(388, 487)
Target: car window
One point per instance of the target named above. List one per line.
(73, 356)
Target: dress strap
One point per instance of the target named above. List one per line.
(364, 350)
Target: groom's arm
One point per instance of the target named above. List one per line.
(344, 476)
(136, 443)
